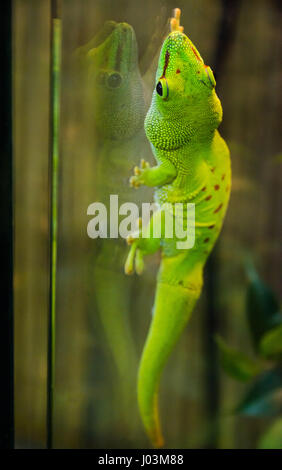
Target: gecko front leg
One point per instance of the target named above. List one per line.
(159, 175)
(144, 240)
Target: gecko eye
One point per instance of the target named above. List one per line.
(114, 80)
(159, 89)
(162, 88)
(210, 75)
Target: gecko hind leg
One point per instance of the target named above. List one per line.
(143, 242)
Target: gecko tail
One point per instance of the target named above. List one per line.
(172, 310)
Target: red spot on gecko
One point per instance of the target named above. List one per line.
(227, 188)
(165, 64)
(177, 71)
(216, 187)
(222, 178)
(208, 197)
(211, 226)
(196, 54)
(206, 240)
(204, 188)
(218, 208)
(212, 169)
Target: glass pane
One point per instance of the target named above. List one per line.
(102, 315)
(110, 53)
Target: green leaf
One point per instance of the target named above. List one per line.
(272, 438)
(264, 396)
(235, 363)
(262, 308)
(271, 342)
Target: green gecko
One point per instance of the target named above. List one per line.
(193, 166)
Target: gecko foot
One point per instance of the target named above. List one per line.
(175, 21)
(139, 172)
(134, 256)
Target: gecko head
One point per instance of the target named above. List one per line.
(114, 58)
(115, 81)
(183, 82)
